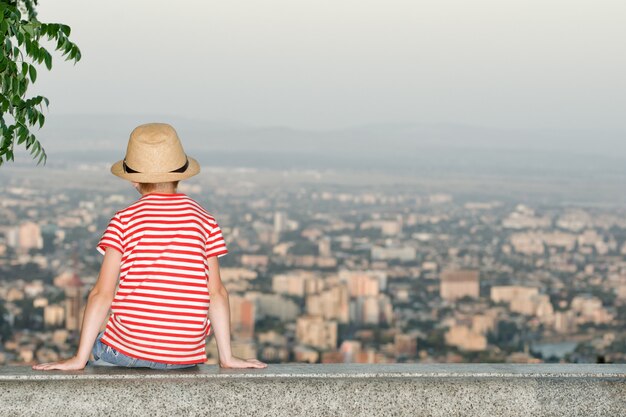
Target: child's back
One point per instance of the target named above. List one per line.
(159, 312)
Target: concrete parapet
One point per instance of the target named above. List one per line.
(321, 390)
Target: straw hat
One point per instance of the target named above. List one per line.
(155, 154)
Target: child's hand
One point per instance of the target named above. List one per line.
(72, 364)
(235, 362)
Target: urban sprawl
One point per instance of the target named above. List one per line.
(320, 271)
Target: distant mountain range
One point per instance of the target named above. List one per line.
(434, 148)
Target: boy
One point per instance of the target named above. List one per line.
(165, 249)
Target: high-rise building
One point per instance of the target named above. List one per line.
(364, 283)
(26, 236)
(565, 322)
(464, 338)
(404, 253)
(371, 309)
(280, 221)
(524, 300)
(53, 315)
(323, 247)
(13, 237)
(254, 260)
(242, 317)
(508, 293)
(293, 283)
(457, 284)
(274, 305)
(74, 303)
(316, 332)
(331, 304)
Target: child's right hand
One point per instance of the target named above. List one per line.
(72, 364)
(235, 362)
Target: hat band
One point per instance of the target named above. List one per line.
(129, 170)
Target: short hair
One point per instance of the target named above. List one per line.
(148, 187)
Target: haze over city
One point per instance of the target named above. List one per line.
(431, 88)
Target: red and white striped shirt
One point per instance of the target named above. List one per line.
(160, 309)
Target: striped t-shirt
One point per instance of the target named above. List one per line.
(160, 309)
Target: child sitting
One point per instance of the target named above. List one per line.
(164, 247)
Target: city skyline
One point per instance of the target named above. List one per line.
(325, 272)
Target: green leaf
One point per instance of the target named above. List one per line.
(40, 54)
(41, 158)
(22, 85)
(29, 48)
(47, 59)
(28, 28)
(32, 72)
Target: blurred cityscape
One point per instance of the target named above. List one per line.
(361, 269)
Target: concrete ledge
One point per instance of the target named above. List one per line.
(321, 390)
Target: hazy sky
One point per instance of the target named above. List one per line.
(338, 63)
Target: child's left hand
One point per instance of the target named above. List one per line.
(235, 362)
(72, 364)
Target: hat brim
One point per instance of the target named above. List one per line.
(147, 177)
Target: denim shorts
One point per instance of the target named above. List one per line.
(105, 355)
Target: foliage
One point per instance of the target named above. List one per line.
(20, 49)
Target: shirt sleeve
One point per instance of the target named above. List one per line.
(215, 245)
(113, 236)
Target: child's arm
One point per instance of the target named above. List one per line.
(98, 304)
(219, 315)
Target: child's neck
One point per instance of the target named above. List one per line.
(161, 191)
